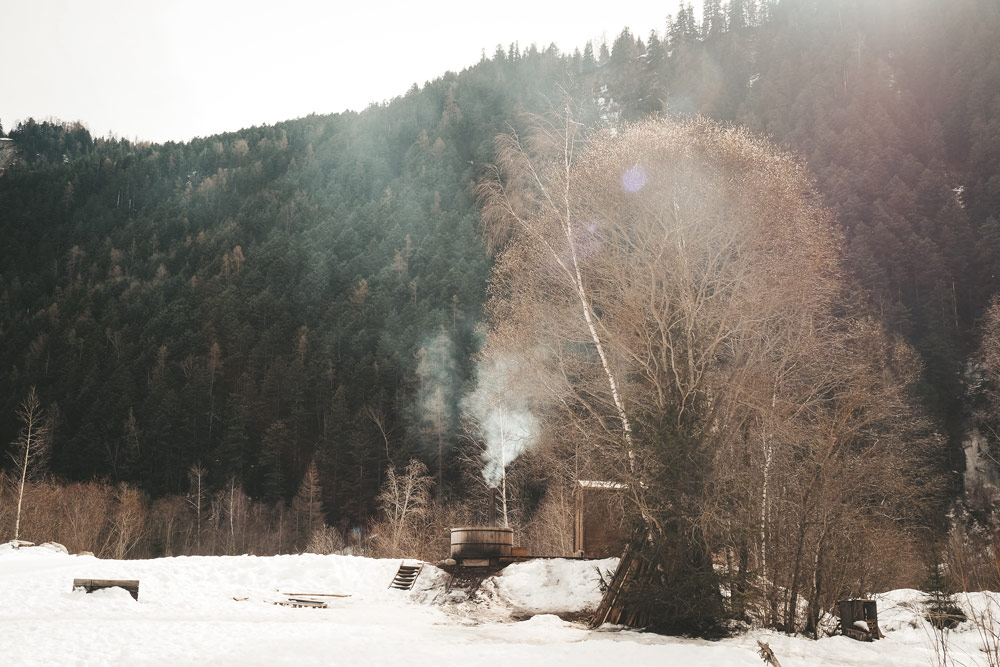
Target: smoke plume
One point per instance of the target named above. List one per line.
(499, 410)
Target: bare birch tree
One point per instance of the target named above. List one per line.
(197, 497)
(405, 500)
(31, 448)
(528, 198)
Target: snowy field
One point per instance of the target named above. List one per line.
(221, 611)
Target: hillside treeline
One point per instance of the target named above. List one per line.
(252, 302)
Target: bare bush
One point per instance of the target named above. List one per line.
(325, 540)
(121, 522)
(81, 511)
(550, 530)
(405, 502)
(128, 521)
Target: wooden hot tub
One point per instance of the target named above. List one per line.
(481, 542)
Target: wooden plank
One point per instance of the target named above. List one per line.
(301, 603)
(107, 583)
(318, 595)
(609, 611)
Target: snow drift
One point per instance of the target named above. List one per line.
(219, 611)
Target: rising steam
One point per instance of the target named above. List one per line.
(501, 417)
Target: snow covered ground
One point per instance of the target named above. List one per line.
(220, 611)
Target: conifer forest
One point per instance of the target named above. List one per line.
(747, 266)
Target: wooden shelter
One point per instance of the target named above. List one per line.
(599, 529)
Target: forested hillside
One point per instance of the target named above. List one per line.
(254, 301)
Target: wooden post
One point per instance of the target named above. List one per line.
(578, 520)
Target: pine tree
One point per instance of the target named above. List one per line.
(713, 21)
(943, 612)
(589, 62)
(308, 506)
(736, 15)
(270, 461)
(231, 452)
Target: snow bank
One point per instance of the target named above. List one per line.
(219, 611)
(552, 586)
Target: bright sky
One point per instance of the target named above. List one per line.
(175, 69)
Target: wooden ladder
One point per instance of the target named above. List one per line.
(406, 576)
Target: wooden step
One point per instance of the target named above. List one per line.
(406, 576)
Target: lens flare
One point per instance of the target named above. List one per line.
(634, 179)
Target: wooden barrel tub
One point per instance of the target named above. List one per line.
(475, 542)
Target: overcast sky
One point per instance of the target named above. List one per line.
(175, 69)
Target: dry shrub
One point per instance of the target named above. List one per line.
(127, 521)
(82, 510)
(326, 540)
(85, 516)
(550, 530)
(405, 503)
(121, 522)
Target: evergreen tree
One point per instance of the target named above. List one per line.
(589, 62)
(271, 461)
(308, 506)
(713, 21)
(231, 451)
(736, 17)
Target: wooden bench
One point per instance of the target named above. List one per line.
(91, 585)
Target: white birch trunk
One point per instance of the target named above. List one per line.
(24, 477)
(577, 278)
